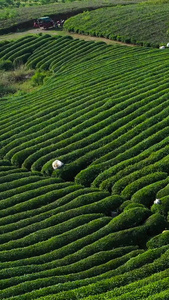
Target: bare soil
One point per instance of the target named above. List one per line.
(17, 35)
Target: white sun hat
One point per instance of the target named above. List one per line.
(57, 164)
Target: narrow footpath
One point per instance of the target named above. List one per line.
(17, 35)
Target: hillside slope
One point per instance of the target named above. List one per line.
(144, 23)
(89, 230)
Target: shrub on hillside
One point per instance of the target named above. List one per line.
(140, 183)
(155, 224)
(20, 60)
(85, 177)
(163, 207)
(147, 194)
(159, 240)
(130, 218)
(163, 192)
(6, 65)
(38, 78)
(5, 90)
(130, 205)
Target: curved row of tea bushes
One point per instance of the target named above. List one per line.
(153, 163)
(26, 236)
(133, 187)
(75, 290)
(133, 133)
(39, 283)
(147, 194)
(102, 245)
(45, 65)
(35, 271)
(66, 49)
(100, 168)
(76, 52)
(139, 289)
(121, 184)
(45, 212)
(119, 23)
(135, 146)
(15, 191)
(35, 121)
(28, 200)
(108, 177)
(125, 220)
(58, 206)
(76, 270)
(109, 127)
(50, 133)
(12, 46)
(49, 50)
(113, 238)
(157, 153)
(79, 137)
(146, 257)
(25, 48)
(55, 242)
(65, 202)
(60, 239)
(20, 287)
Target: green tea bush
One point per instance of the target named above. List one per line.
(129, 205)
(16, 45)
(60, 239)
(130, 218)
(163, 208)
(130, 287)
(121, 184)
(155, 224)
(159, 240)
(138, 184)
(46, 229)
(54, 242)
(26, 47)
(147, 290)
(76, 291)
(77, 258)
(40, 188)
(38, 78)
(38, 283)
(6, 65)
(163, 192)
(21, 60)
(147, 194)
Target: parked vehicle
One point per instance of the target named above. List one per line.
(44, 22)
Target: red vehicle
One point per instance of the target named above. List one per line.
(44, 22)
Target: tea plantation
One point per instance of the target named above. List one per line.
(89, 230)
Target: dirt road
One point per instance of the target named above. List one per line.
(18, 35)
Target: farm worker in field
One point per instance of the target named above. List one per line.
(57, 164)
(157, 201)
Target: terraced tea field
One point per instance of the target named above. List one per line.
(89, 230)
(143, 24)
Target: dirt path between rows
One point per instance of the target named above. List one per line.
(18, 35)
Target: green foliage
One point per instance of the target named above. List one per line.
(38, 78)
(6, 65)
(146, 195)
(119, 23)
(59, 239)
(159, 240)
